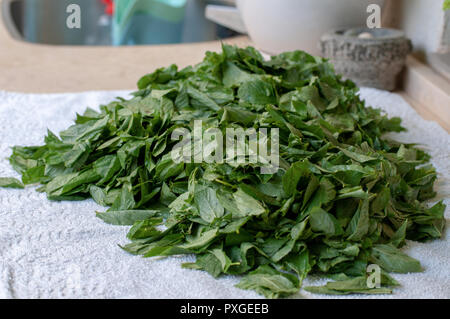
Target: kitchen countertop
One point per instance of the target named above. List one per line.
(38, 68)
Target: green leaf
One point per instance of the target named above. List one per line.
(323, 222)
(207, 203)
(446, 5)
(145, 228)
(284, 251)
(126, 217)
(257, 91)
(233, 75)
(300, 264)
(214, 262)
(359, 225)
(293, 176)
(381, 200)
(98, 195)
(201, 241)
(9, 182)
(125, 201)
(247, 205)
(399, 237)
(234, 225)
(235, 115)
(269, 282)
(63, 184)
(106, 167)
(357, 156)
(356, 285)
(345, 194)
(393, 260)
(202, 99)
(298, 230)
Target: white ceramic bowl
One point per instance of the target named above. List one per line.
(285, 25)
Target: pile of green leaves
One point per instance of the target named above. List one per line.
(343, 198)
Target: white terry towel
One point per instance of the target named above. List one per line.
(61, 250)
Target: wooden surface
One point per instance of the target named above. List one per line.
(441, 63)
(428, 92)
(36, 68)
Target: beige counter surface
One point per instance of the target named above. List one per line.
(37, 68)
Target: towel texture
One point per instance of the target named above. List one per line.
(61, 250)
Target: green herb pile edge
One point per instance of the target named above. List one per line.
(343, 198)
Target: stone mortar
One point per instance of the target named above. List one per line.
(370, 62)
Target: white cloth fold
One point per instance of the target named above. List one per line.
(60, 249)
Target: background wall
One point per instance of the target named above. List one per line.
(446, 35)
(424, 21)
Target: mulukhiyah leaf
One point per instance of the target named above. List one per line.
(323, 222)
(247, 205)
(359, 225)
(293, 176)
(125, 217)
(392, 260)
(208, 205)
(300, 264)
(214, 262)
(145, 228)
(98, 195)
(399, 237)
(345, 196)
(201, 241)
(9, 182)
(125, 200)
(357, 285)
(257, 91)
(269, 282)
